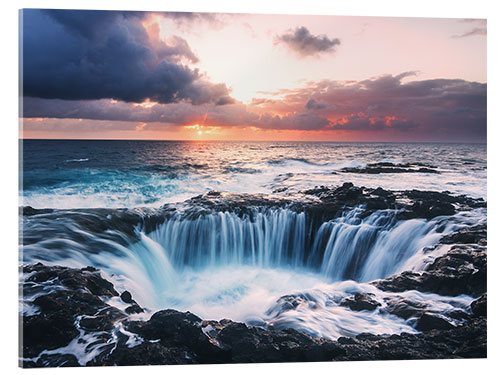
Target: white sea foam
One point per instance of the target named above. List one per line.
(246, 168)
(224, 266)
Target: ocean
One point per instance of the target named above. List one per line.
(84, 174)
(129, 209)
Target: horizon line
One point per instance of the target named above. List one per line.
(236, 140)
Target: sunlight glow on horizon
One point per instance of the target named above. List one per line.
(233, 76)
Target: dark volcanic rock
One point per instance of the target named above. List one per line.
(428, 210)
(68, 304)
(411, 203)
(87, 278)
(30, 211)
(53, 360)
(168, 325)
(386, 167)
(361, 301)
(461, 271)
(73, 293)
(175, 329)
(475, 234)
(479, 306)
(465, 341)
(173, 337)
(405, 308)
(126, 297)
(428, 322)
(147, 353)
(134, 307)
(325, 203)
(46, 331)
(252, 344)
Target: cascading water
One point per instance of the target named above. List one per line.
(342, 249)
(223, 265)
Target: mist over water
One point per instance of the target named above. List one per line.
(222, 265)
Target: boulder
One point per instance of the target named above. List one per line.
(479, 306)
(428, 322)
(361, 301)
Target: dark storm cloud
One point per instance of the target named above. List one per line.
(89, 23)
(365, 123)
(312, 104)
(302, 42)
(105, 54)
(295, 121)
(231, 114)
(436, 109)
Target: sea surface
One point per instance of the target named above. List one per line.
(221, 265)
(83, 174)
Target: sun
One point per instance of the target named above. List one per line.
(200, 132)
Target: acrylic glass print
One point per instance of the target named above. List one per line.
(232, 188)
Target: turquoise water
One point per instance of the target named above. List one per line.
(77, 174)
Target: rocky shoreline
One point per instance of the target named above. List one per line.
(320, 204)
(76, 307)
(75, 317)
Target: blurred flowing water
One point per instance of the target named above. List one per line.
(72, 174)
(222, 265)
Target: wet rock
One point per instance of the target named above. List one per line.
(30, 211)
(290, 302)
(42, 275)
(103, 321)
(381, 192)
(168, 325)
(445, 197)
(461, 271)
(126, 297)
(385, 167)
(72, 293)
(324, 203)
(405, 308)
(428, 322)
(92, 281)
(173, 337)
(53, 360)
(475, 234)
(479, 306)
(147, 353)
(429, 211)
(252, 344)
(134, 307)
(465, 341)
(86, 278)
(46, 332)
(361, 301)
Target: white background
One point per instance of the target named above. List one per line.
(9, 173)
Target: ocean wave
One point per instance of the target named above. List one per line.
(244, 170)
(76, 160)
(284, 161)
(223, 265)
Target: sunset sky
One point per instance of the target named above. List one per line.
(202, 76)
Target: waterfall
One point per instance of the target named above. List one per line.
(269, 239)
(345, 248)
(161, 266)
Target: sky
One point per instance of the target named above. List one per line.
(206, 76)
